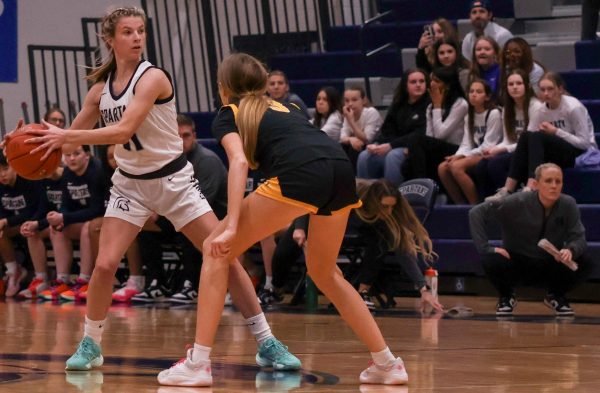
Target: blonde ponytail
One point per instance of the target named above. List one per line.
(253, 106)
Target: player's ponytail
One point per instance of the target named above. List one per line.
(244, 78)
(253, 106)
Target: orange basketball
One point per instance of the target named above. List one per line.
(29, 166)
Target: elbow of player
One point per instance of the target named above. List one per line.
(123, 136)
(239, 162)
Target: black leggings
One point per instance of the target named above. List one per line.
(536, 148)
(425, 154)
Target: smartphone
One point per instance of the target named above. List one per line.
(429, 29)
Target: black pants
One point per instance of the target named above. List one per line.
(589, 19)
(425, 154)
(558, 279)
(536, 148)
(151, 248)
(286, 254)
(352, 154)
(490, 174)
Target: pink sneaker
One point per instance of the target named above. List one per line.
(13, 284)
(394, 374)
(187, 373)
(35, 287)
(126, 292)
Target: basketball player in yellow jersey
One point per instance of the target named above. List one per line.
(307, 173)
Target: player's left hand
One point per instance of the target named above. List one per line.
(220, 246)
(51, 139)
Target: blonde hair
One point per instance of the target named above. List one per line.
(108, 26)
(539, 171)
(407, 232)
(244, 79)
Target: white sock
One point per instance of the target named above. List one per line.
(383, 358)
(11, 267)
(268, 282)
(94, 329)
(63, 277)
(200, 353)
(138, 281)
(259, 327)
(84, 277)
(41, 276)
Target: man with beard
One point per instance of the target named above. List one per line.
(481, 19)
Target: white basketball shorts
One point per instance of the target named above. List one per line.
(177, 197)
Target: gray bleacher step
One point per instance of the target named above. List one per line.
(563, 11)
(409, 58)
(554, 26)
(557, 56)
(532, 8)
(380, 87)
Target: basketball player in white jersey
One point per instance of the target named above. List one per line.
(136, 102)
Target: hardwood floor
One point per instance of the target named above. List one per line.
(530, 352)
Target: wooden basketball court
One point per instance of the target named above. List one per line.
(530, 352)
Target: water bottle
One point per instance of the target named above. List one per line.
(431, 278)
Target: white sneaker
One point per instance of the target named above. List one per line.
(187, 373)
(228, 300)
(499, 195)
(394, 374)
(13, 284)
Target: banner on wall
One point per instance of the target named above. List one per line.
(8, 41)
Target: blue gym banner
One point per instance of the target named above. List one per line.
(8, 41)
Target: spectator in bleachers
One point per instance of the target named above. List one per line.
(517, 54)
(448, 55)
(278, 88)
(557, 133)
(525, 218)
(445, 126)
(56, 116)
(36, 229)
(589, 19)
(485, 65)
(361, 123)
(483, 130)
(442, 30)
(390, 225)
(520, 105)
(328, 112)
(83, 200)
(135, 281)
(290, 247)
(385, 156)
(18, 202)
(481, 17)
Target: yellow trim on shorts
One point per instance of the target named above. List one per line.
(347, 207)
(272, 189)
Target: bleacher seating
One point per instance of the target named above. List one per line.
(587, 54)
(448, 225)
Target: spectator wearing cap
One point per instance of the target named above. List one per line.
(481, 17)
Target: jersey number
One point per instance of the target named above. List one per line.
(136, 142)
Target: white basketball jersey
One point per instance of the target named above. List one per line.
(156, 142)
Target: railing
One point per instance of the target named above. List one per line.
(189, 38)
(363, 50)
(192, 37)
(57, 78)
